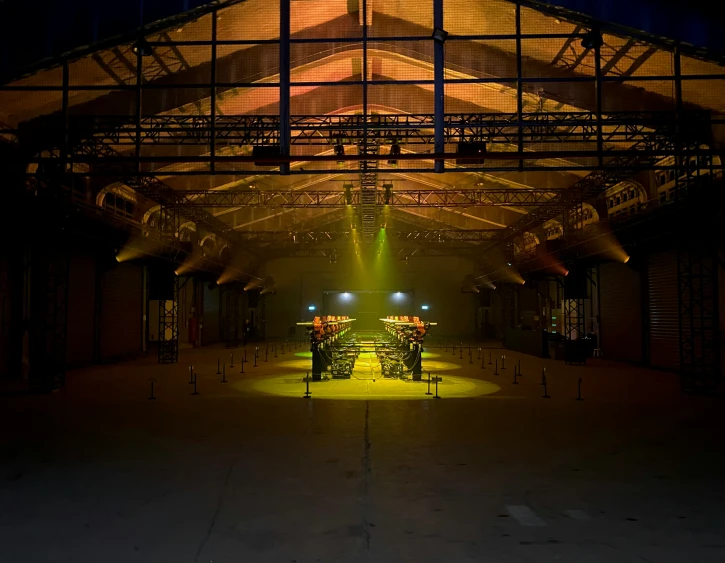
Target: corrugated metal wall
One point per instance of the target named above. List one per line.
(210, 333)
(664, 338)
(121, 312)
(620, 312)
(81, 310)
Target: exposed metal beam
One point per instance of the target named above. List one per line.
(639, 61)
(489, 197)
(530, 128)
(301, 236)
(614, 59)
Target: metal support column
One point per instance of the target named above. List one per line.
(698, 308)
(169, 222)
(231, 298)
(598, 95)
(519, 86)
(169, 327)
(439, 86)
(508, 294)
(139, 113)
(48, 316)
(574, 311)
(213, 100)
(285, 135)
(65, 149)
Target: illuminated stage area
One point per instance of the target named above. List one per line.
(368, 389)
(367, 383)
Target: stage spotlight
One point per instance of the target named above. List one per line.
(424, 307)
(311, 308)
(142, 47)
(388, 193)
(348, 192)
(268, 286)
(508, 263)
(627, 259)
(394, 153)
(471, 149)
(340, 153)
(592, 39)
(253, 284)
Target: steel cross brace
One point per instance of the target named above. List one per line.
(486, 197)
(537, 127)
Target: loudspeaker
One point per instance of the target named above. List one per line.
(575, 284)
(161, 284)
(266, 152)
(253, 298)
(472, 148)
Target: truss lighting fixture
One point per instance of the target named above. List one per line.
(388, 193)
(424, 307)
(348, 191)
(340, 154)
(142, 47)
(311, 308)
(592, 39)
(394, 153)
(440, 35)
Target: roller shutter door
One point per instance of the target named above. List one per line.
(210, 332)
(620, 310)
(664, 338)
(81, 310)
(121, 312)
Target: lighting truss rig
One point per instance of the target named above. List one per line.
(510, 197)
(319, 237)
(326, 130)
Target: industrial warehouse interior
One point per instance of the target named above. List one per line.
(362, 281)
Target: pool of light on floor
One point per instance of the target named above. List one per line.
(363, 363)
(293, 385)
(367, 381)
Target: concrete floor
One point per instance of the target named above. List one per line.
(249, 471)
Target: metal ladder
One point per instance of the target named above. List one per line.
(368, 189)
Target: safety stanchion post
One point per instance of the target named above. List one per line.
(195, 390)
(307, 386)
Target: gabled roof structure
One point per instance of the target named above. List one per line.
(366, 113)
